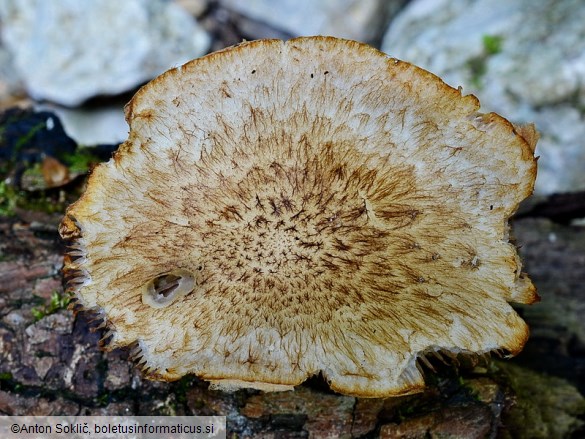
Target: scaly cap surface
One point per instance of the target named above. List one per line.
(285, 208)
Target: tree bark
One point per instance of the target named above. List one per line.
(50, 363)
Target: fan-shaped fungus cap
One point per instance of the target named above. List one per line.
(282, 209)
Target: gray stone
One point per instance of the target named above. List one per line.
(68, 51)
(44, 329)
(118, 375)
(355, 19)
(14, 319)
(124, 408)
(523, 59)
(472, 421)
(17, 404)
(41, 347)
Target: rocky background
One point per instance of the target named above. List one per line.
(68, 67)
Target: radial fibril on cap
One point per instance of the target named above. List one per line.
(282, 209)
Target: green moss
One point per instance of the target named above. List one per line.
(40, 201)
(181, 387)
(492, 44)
(47, 201)
(103, 399)
(8, 199)
(477, 66)
(58, 301)
(34, 176)
(43, 201)
(82, 160)
(546, 407)
(7, 382)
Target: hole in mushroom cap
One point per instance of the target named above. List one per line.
(166, 288)
(165, 285)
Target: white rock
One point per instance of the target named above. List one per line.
(92, 126)
(195, 7)
(10, 84)
(536, 75)
(69, 50)
(354, 19)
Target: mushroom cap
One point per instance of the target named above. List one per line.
(282, 209)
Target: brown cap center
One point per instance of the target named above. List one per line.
(319, 218)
